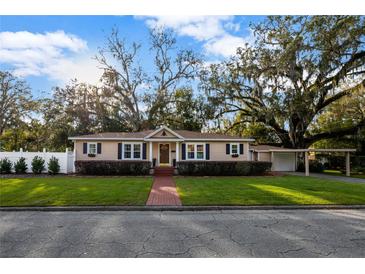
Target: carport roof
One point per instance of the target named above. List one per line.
(269, 148)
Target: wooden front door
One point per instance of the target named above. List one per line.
(164, 154)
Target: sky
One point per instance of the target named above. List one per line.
(49, 51)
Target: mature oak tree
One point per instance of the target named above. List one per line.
(343, 113)
(16, 101)
(142, 97)
(186, 110)
(296, 68)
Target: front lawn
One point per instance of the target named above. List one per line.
(284, 190)
(67, 190)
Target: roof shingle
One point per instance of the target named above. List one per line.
(186, 134)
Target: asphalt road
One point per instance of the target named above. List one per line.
(250, 233)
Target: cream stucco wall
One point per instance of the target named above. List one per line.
(264, 156)
(109, 151)
(218, 152)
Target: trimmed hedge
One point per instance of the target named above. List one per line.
(215, 168)
(38, 165)
(53, 166)
(113, 167)
(5, 166)
(20, 166)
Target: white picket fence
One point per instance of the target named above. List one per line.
(65, 159)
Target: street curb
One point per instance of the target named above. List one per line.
(179, 208)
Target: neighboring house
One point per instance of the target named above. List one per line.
(162, 147)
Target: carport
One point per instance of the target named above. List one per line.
(285, 159)
(346, 151)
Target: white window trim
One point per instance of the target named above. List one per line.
(238, 148)
(96, 147)
(195, 152)
(132, 150)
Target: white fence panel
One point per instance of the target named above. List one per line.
(65, 159)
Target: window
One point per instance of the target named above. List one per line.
(137, 151)
(195, 152)
(191, 151)
(132, 151)
(234, 149)
(91, 148)
(127, 151)
(200, 152)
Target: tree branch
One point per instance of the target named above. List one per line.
(336, 133)
(340, 95)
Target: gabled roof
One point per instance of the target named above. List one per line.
(164, 128)
(183, 135)
(206, 135)
(113, 135)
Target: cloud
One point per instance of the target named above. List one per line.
(225, 45)
(58, 55)
(199, 27)
(216, 32)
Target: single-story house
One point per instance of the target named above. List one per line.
(162, 147)
(165, 147)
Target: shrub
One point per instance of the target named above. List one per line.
(20, 166)
(5, 166)
(314, 166)
(37, 165)
(113, 167)
(231, 168)
(53, 166)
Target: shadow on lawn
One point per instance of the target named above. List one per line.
(76, 191)
(277, 191)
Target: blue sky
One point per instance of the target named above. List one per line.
(50, 50)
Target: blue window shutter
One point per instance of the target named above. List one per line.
(241, 148)
(119, 151)
(183, 152)
(98, 146)
(84, 146)
(228, 149)
(207, 152)
(144, 151)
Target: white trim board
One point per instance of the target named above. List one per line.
(163, 128)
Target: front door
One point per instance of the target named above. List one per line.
(164, 154)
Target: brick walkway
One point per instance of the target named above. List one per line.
(163, 192)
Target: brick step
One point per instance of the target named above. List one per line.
(164, 171)
(163, 175)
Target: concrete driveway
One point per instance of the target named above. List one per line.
(250, 233)
(330, 177)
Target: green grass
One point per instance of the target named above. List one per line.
(285, 190)
(64, 190)
(339, 173)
